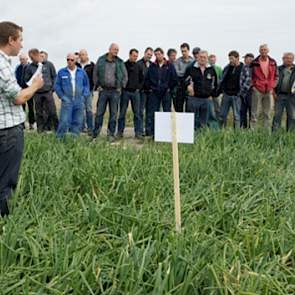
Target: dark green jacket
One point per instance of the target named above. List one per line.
(99, 72)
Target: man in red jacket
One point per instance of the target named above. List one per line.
(264, 80)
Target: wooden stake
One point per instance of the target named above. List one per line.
(176, 172)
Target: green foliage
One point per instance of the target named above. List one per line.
(99, 218)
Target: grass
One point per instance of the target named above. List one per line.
(99, 219)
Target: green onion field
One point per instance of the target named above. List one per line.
(95, 218)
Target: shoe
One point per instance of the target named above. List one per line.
(119, 135)
(138, 136)
(111, 138)
(4, 211)
(31, 127)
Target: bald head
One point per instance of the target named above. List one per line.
(113, 50)
(83, 55)
(71, 61)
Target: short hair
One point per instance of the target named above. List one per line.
(76, 53)
(234, 53)
(289, 53)
(185, 45)
(212, 55)
(171, 50)
(133, 50)
(159, 49)
(203, 52)
(34, 51)
(263, 45)
(44, 52)
(148, 49)
(9, 29)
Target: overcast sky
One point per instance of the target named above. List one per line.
(62, 26)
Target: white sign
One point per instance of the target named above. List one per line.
(38, 72)
(184, 127)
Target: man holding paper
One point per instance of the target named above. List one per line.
(202, 80)
(12, 116)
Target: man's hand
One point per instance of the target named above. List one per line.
(190, 89)
(38, 82)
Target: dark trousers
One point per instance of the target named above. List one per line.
(155, 101)
(31, 112)
(284, 102)
(134, 97)
(11, 152)
(200, 107)
(246, 110)
(145, 112)
(46, 115)
(180, 98)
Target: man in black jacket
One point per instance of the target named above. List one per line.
(88, 67)
(202, 88)
(230, 87)
(131, 92)
(45, 108)
(161, 79)
(144, 64)
(284, 96)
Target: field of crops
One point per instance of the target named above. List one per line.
(99, 218)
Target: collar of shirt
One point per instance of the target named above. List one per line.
(196, 65)
(86, 64)
(5, 56)
(186, 60)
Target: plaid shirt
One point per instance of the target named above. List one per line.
(10, 114)
(245, 81)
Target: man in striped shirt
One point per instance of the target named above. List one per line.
(12, 116)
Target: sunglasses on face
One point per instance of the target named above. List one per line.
(70, 59)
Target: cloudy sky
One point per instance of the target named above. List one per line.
(62, 26)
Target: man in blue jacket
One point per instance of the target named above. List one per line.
(161, 78)
(71, 86)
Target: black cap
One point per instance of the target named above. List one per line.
(196, 50)
(249, 55)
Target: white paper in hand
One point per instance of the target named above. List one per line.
(184, 127)
(38, 72)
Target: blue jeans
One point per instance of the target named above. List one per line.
(135, 104)
(88, 111)
(212, 120)
(227, 102)
(200, 107)
(154, 103)
(71, 117)
(110, 97)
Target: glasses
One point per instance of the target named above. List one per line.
(70, 59)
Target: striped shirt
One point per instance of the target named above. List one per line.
(10, 114)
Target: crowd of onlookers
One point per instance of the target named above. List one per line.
(189, 83)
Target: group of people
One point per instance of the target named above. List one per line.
(189, 83)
